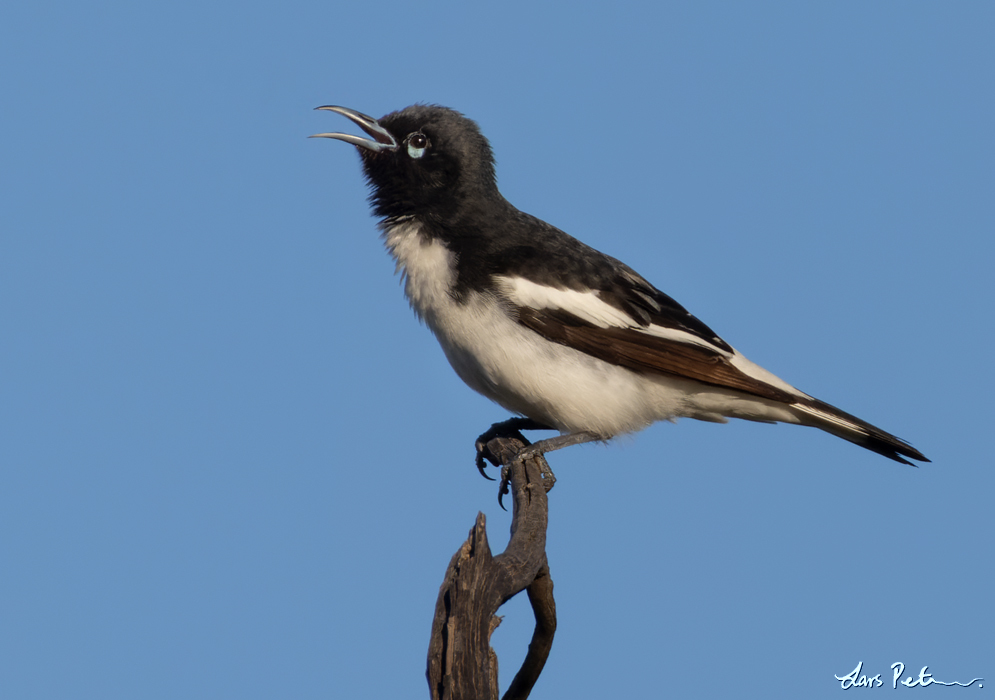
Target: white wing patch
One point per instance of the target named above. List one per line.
(680, 336)
(590, 307)
(587, 306)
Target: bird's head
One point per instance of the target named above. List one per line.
(424, 160)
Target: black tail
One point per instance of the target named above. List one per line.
(821, 415)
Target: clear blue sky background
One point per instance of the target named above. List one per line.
(233, 465)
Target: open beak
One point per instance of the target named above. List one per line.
(382, 140)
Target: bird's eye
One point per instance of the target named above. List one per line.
(417, 143)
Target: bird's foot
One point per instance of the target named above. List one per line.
(510, 428)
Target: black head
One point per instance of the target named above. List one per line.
(425, 160)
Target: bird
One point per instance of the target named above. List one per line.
(563, 336)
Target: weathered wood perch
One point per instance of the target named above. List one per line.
(461, 663)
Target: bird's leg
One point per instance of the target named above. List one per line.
(509, 428)
(556, 443)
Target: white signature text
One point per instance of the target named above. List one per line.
(857, 679)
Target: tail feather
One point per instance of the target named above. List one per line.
(821, 415)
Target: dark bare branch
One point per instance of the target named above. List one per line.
(544, 608)
(461, 664)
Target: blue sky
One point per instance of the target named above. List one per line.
(233, 464)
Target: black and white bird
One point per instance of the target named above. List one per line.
(544, 325)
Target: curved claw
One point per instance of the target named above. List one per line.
(479, 461)
(509, 428)
(505, 486)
